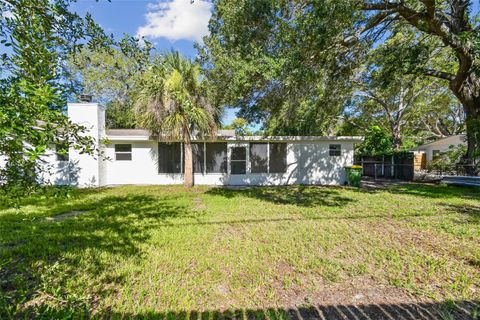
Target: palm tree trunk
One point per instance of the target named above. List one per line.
(188, 166)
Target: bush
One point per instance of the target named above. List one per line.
(447, 161)
(377, 142)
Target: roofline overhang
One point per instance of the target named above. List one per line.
(241, 138)
(426, 145)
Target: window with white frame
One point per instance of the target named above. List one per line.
(268, 157)
(211, 157)
(335, 150)
(238, 160)
(123, 152)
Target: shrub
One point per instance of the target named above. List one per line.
(447, 161)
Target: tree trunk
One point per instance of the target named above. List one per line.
(188, 166)
(397, 142)
(397, 137)
(468, 92)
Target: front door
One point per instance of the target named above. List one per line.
(238, 159)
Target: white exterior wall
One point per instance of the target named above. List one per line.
(86, 170)
(442, 145)
(307, 163)
(56, 172)
(308, 160)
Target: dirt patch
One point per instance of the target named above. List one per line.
(66, 215)
(361, 290)
(379, 184)
(366, 298)
(198, 205)
(357, 298)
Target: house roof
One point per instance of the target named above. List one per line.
(144, 135)
(442, 141)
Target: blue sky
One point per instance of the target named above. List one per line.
(168, 24)
(153, 19)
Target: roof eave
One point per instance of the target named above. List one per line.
(243, 138)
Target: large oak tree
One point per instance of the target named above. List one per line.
(293, 64)
(454, 24)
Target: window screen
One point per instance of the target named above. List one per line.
(169, 157)
(259, 157)
(198, 157)
(335, 150)
(278, 157)
(123, 152)
(216, 157)
(61, 151)
(238, 160)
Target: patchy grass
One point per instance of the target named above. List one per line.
(148, 250)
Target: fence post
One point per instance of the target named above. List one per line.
(375, 170)
(383, 166)
(392, 169)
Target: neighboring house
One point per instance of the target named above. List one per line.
(441, 145)
(134, 157)
(427, 152)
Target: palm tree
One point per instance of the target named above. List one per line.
(171, 103)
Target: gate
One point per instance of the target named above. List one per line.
(397, 166)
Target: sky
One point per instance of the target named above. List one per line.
(168, 24)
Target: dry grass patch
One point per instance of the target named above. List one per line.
(148, 251)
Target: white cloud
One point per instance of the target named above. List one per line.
(176, 20)
(7, 14)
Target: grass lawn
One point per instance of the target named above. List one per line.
(147, 251)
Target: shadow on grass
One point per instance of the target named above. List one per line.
(429, 190)
(299, 195)
(460, 310)
(294, 219)
(472, 212)
(111, 227)
(44, 196)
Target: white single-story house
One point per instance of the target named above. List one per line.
(441, 145)
(133, 156)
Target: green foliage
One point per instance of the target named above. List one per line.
(296, 65)
(33, 91)
(390, 96)
(262, 57)
(377, 142)
(240, 125)
(447, 161)
(171, 100)
(110, 75)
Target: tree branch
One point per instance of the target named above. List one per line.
(438, 74)
(430, 6)
(379, 6)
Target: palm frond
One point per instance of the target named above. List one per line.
(172, 99)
